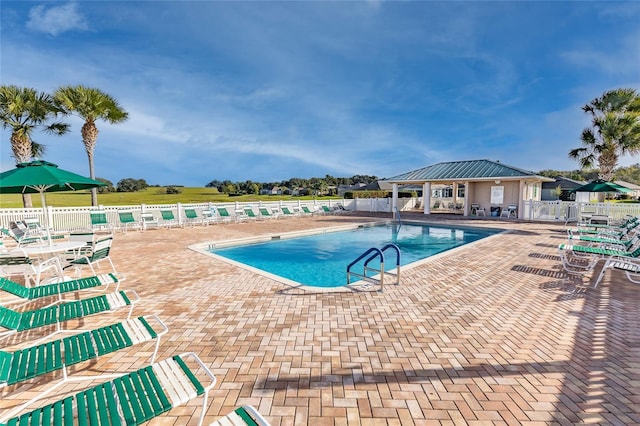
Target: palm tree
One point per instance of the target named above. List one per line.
(614, 131)
(23, 110)
(90, 105)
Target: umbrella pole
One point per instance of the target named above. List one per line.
(46, 218)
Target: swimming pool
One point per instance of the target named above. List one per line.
(321, 259)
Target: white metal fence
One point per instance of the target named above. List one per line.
(68, 219)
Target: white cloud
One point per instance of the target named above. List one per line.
(56, 20)
(618, 59)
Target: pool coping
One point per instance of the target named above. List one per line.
(361, 285)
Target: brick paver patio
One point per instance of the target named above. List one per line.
(492, 333)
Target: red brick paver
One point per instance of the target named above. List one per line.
(492, 333)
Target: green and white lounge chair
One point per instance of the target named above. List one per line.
(224, 215)
(26, 294)
(99, 221)
(286, 212)
(579, 259)
(264, 213)
(191, 217)
(306, 211)
(13, 321)
(326, 210)
(34, 361)
(128, 221)
(241, 416)
(248, 211)
(168, 219)
(602, 251)
(131, 398)
(618, 242)
(613, 231)
(22, 236)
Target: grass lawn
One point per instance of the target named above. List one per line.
(152, 195)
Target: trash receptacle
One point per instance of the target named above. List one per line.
(495, 211)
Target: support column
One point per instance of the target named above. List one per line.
(455, 195)
(426, 197)
(394, 200)
(467, 206)
(521, 198)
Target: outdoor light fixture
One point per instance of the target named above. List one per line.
(497, 181)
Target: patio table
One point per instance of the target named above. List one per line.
(47, 250)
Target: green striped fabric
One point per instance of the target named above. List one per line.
(242, 412)
(53, 289)
(615, 241)
(194, 381)
(31, 362)
(111, 338)
(98, 218)
(146, 325)
(20, 321)
(600, 250)
(130, 399)
(14, 288)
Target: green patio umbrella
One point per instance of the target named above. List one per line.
(600, 185)
(40, 177)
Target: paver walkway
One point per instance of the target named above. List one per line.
(488, 334)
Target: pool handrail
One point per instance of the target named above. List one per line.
(373, 253)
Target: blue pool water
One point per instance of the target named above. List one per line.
(321, 260)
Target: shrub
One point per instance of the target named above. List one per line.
(173, 190)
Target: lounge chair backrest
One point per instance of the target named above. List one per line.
(101, 249)
(32, 223)
(19, 228)
(190, 213)
(126, 217)
(98, 217)
(167, 214)
(286, 210)
(223, 212)
(87, 237)
(14, 288)
(9, 318)
(249, 212)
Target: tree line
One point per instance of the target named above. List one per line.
(312, 186)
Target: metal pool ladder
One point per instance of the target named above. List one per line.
(370, 255)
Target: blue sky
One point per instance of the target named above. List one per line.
(272, 90)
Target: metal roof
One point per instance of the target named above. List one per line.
(465, 170)
(564, 182)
